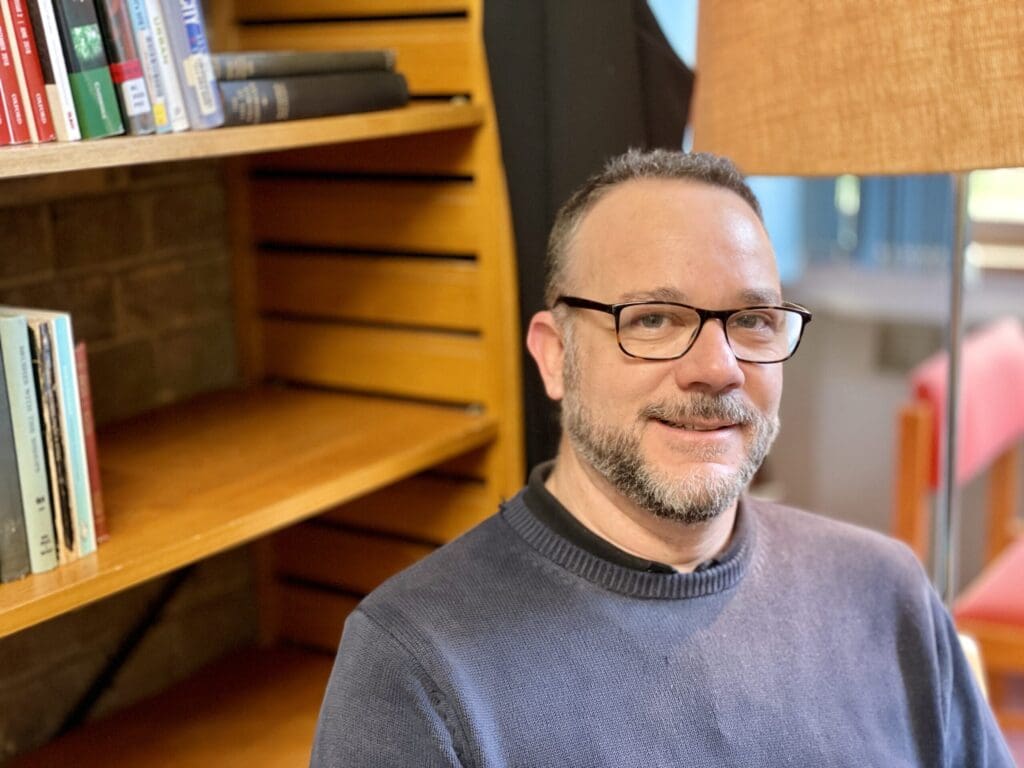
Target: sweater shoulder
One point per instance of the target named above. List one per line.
(842, 547)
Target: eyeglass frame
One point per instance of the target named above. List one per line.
(615, 310)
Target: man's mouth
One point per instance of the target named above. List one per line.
(696, 427)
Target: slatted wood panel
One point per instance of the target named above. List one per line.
(426, 365)
(312, 617)
(409, 216)
(356, 562)
(427, 507)
(439, 153)
(438, 293)
(434, 55)
(258, 10)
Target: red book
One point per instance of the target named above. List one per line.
(99, 517)
(25, 44)
(14, 109)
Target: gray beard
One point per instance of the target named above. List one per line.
(687, 497)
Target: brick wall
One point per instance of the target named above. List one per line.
(139, 257)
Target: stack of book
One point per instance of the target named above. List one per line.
(72, 69)
(51, 507)
(267, 86)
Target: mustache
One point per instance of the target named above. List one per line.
(731, 408)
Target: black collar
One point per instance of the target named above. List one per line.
(555, 516)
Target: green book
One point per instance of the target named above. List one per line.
(88, 69)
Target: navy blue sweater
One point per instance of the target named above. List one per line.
(810, 643)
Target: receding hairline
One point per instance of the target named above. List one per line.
(703, 169)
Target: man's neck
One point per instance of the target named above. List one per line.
(597, 505)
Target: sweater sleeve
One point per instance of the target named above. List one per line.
(381, 708)
(971, 734)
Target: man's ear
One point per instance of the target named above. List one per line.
(544, 340)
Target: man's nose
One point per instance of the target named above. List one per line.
(710, 365)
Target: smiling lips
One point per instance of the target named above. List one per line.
(693, 427)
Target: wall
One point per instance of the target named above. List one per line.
(140, 258)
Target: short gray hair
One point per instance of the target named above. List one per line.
(635, 164)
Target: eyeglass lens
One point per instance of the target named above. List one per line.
(663, 331)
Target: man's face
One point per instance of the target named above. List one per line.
(679, 438)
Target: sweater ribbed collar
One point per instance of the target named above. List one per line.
(724, 574)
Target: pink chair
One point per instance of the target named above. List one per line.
(990, 434)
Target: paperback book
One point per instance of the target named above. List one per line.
(15, 115)
(55, 72)
(175, 100)
(14, 560)
(29, 70)
(145, 42)
(125, 67)
(187, 34)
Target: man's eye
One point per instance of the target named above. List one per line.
(754, 321)
(651, 321)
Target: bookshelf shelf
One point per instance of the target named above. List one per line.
(198, 478)
(59, 157)
(254, 708)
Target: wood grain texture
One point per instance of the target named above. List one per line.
(410, 216)
(355, 562)
(438, 293)
(433, 54)
(196, 479)
(422, 364)
(427, 507)
(258, 708)
(61, 157)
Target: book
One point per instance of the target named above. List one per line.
(68, 425)
(88, 69)
(248, 102)
(28, 442)
(14, 560)
(29, 70)
(150, 60)
(14, 107)
(54, 68)
(44, 365)
(246, 65)
(91, 450)
(173, 96)
(125, 67)
(186, 32)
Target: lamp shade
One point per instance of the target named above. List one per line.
(826, 87)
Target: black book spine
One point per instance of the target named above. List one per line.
(247, 102)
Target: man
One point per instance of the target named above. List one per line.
(631, 607)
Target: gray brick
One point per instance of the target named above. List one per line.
(25, 242)
(184, 216)
(90, 300)
(124, 379)
(97, 231)
(199, 358)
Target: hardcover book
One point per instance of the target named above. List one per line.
(150, 60)
(88, 69)
(125, 67)
(55, 72)
(91, 450)
(14, 561)
(248, 102)
(14, 107)
(187, 34)
(29, 70)
(28, 442)
(168, 72)
(245, 65)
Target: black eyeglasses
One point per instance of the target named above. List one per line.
(666, 330)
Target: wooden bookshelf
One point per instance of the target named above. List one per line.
(201, 477)
(61, 157)
(376, 274)
(254, 708)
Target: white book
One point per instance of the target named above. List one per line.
(165, 60)
(58, 95)
(28, 442)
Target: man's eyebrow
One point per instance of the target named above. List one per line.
(749, 297)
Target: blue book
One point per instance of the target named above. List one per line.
(28, 442)
(14, 560)
(70, 417)
(187, 34)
